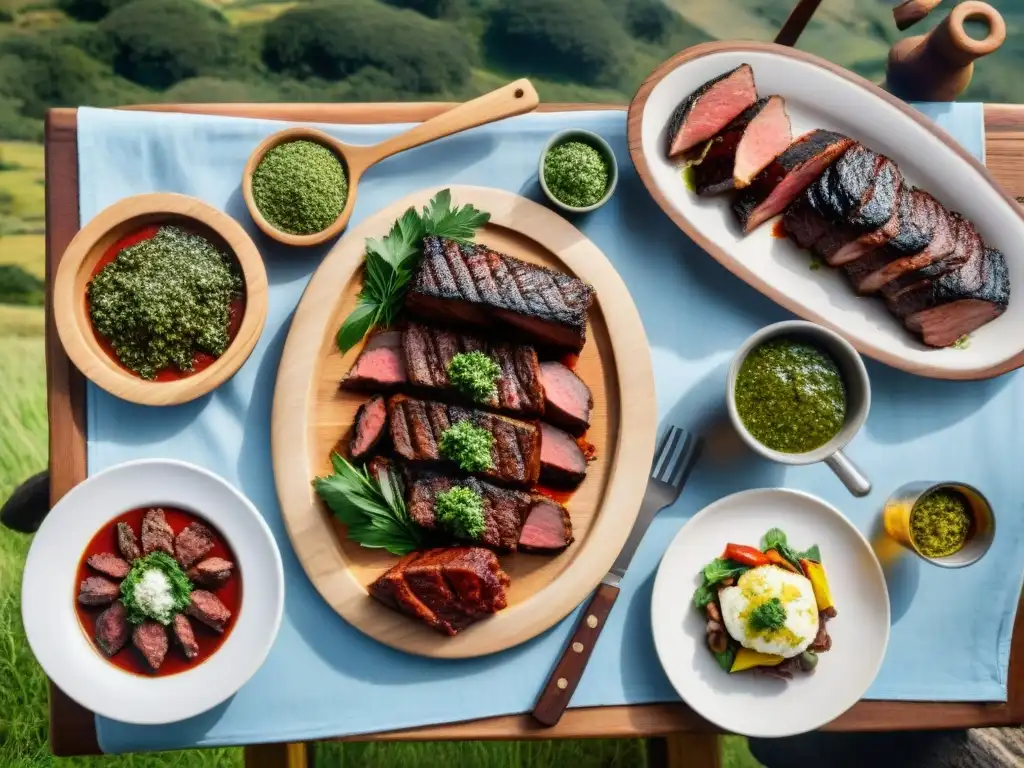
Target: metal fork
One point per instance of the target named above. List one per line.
(673, 462)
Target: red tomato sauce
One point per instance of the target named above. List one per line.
(200, 360)
(778, 230)
(128, 658)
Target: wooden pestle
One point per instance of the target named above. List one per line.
(938, 66)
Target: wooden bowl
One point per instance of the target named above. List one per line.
(71, 312)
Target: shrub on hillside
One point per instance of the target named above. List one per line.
(18, 286)
(565, 39)
(41, 75)
(14, 125)
(213, 90)
(435, 9)
(158, 43)
(89, 10)
(650, 20)
(332, 40)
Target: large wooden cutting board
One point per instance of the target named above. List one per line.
(311, 413)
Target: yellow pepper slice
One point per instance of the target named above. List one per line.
(819, 583)
(747, 659)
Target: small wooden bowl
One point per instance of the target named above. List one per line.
(71, 311)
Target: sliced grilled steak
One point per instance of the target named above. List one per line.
(157, 535)
(416, 427)
(446, 588)
(787, 176)
(150, 638)
(504, 509)
(208, 608)
(185, 636)
(567, 399)
(380, 365)
(96, 590)
(548, 528)
(965, 244)
(109, 565)
(473, 285)
(562, 463)
(193, 543)
(113, 629)
(128, 542)
(710, 108)
(961, 301)
(745, 147)
(370, 429)
(211, 572)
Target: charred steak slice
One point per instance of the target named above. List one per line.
(787, 176)
(745, 147)
(548, 528)
(966, 244)
(710, 108)
(504, 509)
(113, 629)
(185, 636)
(128, 542)
(208, 608)
(567, 399)
(562, 463)
(157, 535)
(96, 590)
(475, 577)
(193, 544)
(380, 365)
(370, 428)
(963, 300)
(109, 565)
(211, 572)
(392, 589)
(473, 285)
(416, 427)
(150, 638)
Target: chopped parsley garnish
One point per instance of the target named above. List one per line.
(467, 445)
(461, 511)
(576, 174)
(155, 588)
(300, 187)
(768, 616)
(475, 375)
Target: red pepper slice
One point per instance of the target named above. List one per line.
(746, 555)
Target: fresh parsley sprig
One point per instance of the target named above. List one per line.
(372, 509)
(392, 260)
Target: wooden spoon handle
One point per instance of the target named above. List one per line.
(567, 673)
(515, 98)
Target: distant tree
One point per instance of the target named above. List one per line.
(576, 40)
(158, 43)
(435, 9)
(650, 20)
(39, 75)
(333, 40)
(89, 10)
(19, 287)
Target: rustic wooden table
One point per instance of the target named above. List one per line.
(72, 728)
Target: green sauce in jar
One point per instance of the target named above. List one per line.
(939, 523)
(790, 396)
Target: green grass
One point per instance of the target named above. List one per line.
(25, 251)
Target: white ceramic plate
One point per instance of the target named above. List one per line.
(748, 703)
(50, 586)
(819, 94)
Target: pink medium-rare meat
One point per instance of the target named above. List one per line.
(192, 544)
(370, 428)
(208, 608)
(150, 638)
(380, 365)
(473, 285)
(710, 108)
(548, 528)
(567, 398)
(109, 565)
(96, 590)
(211, 572)
(562, 463)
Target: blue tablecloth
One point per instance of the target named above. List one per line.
(951, 629)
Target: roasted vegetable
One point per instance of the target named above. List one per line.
(748, 659)
(745, 555)
(808, 661)
(776, 559)
(819, 583)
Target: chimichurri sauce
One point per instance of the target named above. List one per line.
(939, 523)
(790, 396)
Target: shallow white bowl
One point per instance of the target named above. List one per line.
(50, 587)
(749, 703)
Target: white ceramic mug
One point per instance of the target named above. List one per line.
(858, 399)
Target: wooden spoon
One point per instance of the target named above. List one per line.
(516, 98)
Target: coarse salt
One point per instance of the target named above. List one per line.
(153, 595)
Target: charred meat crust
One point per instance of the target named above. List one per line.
(731, 92)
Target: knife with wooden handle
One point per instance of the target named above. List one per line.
(673, 462)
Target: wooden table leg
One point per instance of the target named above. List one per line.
(297, 755)
(685, 750)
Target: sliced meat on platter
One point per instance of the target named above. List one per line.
(380, 365)
(562, 463)
(548, 529)
(109, 565)
(150, 638)
(710, 108)
(416, 427)
(97, 590)
(128, 542)
(473, 285)
(787, 176)
(567, 398)
(211, 572)
(113, 629)
(370, 428)
(208, 608)
(185, 636)
(744, 148)
(157, 535)
(448, 589)
(192, 544)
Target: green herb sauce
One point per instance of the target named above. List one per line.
(768, 616)
(461, 511)
(180, 589)
(300, 187)
(162, 300)
(475, 374)
(467, 445)
(939, 523)
(576, 174)
(790, 396)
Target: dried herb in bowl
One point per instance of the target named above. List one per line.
(300, 187)
(576, 174)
